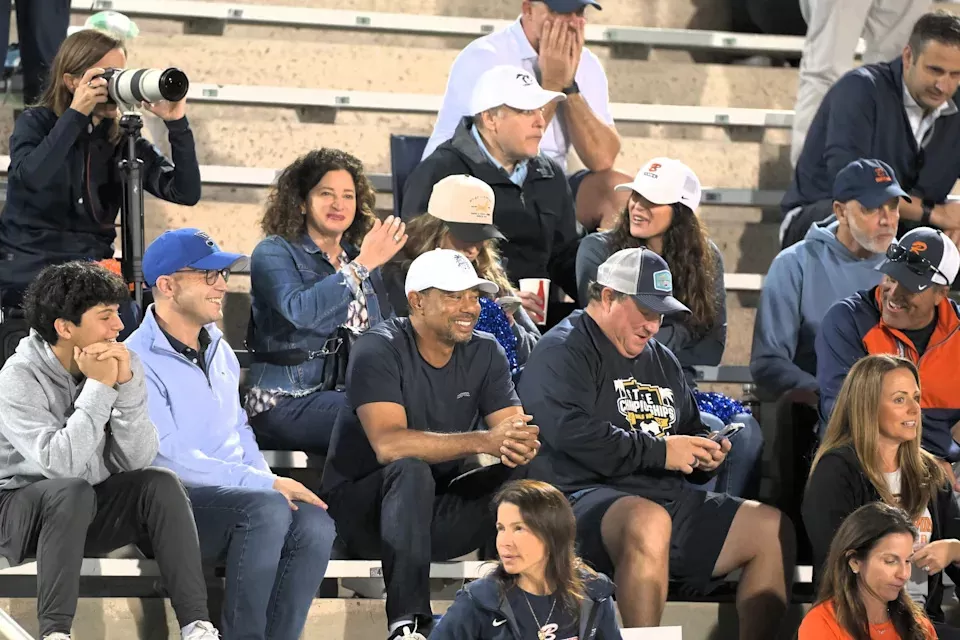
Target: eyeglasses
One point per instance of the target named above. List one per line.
(210, 276)
(914, 261)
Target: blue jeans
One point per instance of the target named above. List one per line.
(739, 475)
(275, 558)
(300, 423)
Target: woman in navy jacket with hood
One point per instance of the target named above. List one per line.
(539, 589)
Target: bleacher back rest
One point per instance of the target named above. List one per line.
(405, 152)
(12, 330)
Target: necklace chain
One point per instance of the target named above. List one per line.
(540, 634)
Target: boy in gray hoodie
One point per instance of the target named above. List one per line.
(75, 442)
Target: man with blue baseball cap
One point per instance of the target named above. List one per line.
(621, 433)
(837, 257)
(273, 533)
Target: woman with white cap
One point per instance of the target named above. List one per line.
(661, 215)
(459, 216)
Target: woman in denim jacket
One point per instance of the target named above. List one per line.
(318, 269)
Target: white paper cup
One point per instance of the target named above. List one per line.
(541, 287)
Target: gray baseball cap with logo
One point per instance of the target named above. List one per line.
(643, 275)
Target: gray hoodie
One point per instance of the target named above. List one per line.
(52, 426)
(804, 280)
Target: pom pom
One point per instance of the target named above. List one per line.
(494, 321)
(719, 405)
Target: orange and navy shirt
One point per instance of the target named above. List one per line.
(853, 328)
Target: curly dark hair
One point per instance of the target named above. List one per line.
(285, 205)
(68, 291)
(687, 251)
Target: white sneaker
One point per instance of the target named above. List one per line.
(57, 636)
(406, 633)
(200, 630)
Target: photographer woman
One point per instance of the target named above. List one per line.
(861, 596)
(661, 216)
(871, 452)
(317, 270)
(539, 589)
(64, 187)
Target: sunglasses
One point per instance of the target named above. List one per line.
(914, 261)
(210, 276)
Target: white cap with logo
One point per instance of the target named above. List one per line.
(446, 270)
(511, 86)
(666, 181)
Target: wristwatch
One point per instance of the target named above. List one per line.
(572, 89)
(927, 212)
(361, 271)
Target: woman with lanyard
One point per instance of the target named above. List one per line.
(539, 589)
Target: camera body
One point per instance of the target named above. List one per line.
(133, 86)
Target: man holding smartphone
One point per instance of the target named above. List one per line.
(621, 435)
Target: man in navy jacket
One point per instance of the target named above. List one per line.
(620, 431)
(902, 112)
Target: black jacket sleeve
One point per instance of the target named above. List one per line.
(419, 185)
(566, 241)
(36, 152)
(558, 388)
(177, 181)
(833, 492)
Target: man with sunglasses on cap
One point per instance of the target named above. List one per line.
(499, 143)
(272, 533)
(907, 314)
(621, 432)
(547, 42)
(395, 477)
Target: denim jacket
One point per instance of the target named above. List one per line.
(298, 301)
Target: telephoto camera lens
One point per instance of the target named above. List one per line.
(133, 86)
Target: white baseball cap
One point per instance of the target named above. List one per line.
(465, 203)
(666, 181)
(512, 86)
(446, 270)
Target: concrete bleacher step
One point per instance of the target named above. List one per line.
(337, 619)
(424, 70)
(650, 13)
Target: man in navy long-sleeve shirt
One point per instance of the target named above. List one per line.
(902, 112)
(620, 429)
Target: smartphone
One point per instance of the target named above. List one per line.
(728, 431)
(509, 304)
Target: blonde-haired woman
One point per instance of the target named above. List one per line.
(460, 217)
(871, 452)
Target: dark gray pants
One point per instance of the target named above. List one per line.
(57, 521)
(42, 27)
(400, 515)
